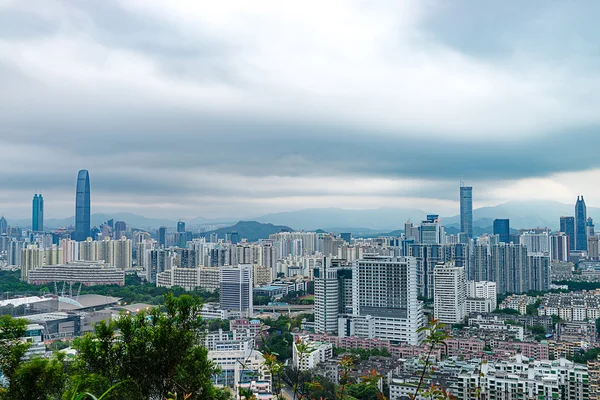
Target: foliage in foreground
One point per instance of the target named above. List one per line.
(152, 355)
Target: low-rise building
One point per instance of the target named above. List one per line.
(307, 354)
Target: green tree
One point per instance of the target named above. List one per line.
(38, 379)
(12, 348)
(160, 353)
(537, 330)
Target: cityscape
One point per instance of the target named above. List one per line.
(523, 299)
(267, 200)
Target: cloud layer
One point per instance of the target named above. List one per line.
(188, 108)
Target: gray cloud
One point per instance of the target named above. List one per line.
(187, 122)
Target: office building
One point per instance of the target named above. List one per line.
(591, 231)
(431, 231)
(385, 287)
(333, 294)
(82, 207)
(450, 293)
(502, 229)
(37, 214)
(466, 210)
(3, 226)
(235, 284)
(119, 229)
(180, 227)
(567, 225)
(162, 236)
(581, 229)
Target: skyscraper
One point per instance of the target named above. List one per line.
(450, 293)
(37, 215)
(502, 229)
(162, 236)
(580, 225)
(82, 206)
(3, 226)
(385, 287)
(466, 210)
(567, 225)
(180, 227)
(236, 288)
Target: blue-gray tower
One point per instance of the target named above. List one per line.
(581, 237)
(82, 206)
(37, 214)
(466, 210)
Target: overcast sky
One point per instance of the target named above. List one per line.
(238, 108)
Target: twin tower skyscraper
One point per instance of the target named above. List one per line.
(82, 207)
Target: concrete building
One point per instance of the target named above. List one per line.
(522, 378)
(450, 293)
(327, 296)
(32, 257)
(236, 288)
(206, 278)
(312, 354)
(385, 287)
(87, 273)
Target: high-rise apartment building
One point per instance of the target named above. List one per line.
(593, 247)
(567, 225)
(450, 293)
(32, 257)
(37, 214)
(502, 229)
(386, 289)
(559, 243)
(122, 253)
(507, 267)
(466, 210)
(536, 242)
(581, 230)
(327, 296)
(82, 207)
(236, 288)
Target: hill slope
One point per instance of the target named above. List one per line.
(250, 230)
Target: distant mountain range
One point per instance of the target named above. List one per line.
(250, 230)
(522, 214)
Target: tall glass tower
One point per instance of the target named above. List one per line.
(580, 225)
(502, 229)
(82, 206)
(466, 210)
(37, 214)
(567, 225)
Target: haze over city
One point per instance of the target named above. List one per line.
(182, 109)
